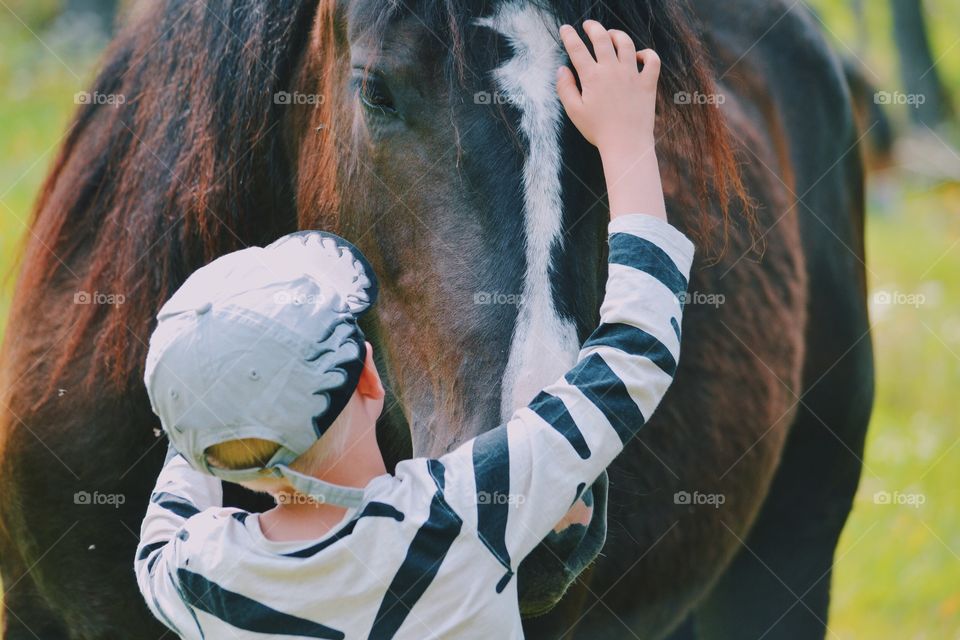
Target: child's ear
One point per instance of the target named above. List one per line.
(369, 384)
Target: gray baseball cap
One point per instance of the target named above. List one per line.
(263, 343)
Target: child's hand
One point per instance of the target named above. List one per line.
(615, 111)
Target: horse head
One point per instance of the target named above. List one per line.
(430, 134)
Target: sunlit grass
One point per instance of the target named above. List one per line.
(898, 573)
(898, 567)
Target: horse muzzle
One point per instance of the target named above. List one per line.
(548, 571)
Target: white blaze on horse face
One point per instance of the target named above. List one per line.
(544, 345)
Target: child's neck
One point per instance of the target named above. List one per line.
(301, 518)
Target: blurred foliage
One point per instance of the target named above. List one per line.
(38, 82)
(35, 14)
(871, 41)
(898, 566)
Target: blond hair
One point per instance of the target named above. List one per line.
(247, 453)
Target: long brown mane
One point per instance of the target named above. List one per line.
(190, 166)
(194, 163)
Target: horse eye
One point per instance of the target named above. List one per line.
(374, 94)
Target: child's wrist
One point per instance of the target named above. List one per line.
(629, 160)
(633, 181)
(627, 148)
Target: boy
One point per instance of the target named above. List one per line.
(261, 376)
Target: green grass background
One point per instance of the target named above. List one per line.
(898, 567)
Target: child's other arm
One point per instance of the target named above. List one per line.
(180, 493)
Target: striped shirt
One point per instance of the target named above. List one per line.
(432, 550)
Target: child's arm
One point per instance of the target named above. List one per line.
(517, 481)
(180, 493)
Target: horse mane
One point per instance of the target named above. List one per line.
(145, 192)
(694, 140)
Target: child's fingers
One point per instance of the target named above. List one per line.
(651, 64)
(626, 50)
(576, 49)
(570, 96)
(600, 38)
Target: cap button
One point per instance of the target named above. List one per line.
(204, 308)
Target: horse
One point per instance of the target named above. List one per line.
(429, 134)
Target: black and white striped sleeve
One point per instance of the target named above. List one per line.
(180, 493)
(528, 473)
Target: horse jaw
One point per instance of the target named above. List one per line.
(544, 345)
